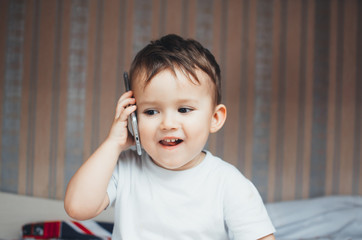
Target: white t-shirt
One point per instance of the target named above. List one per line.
(205, 202)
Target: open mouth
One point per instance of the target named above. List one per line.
(171, 142)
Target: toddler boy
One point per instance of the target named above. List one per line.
(175, 189)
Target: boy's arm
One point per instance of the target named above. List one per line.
(86, 194)
(269, 237)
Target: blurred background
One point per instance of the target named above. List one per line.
(291, 72)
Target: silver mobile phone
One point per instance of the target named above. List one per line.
(132, 119)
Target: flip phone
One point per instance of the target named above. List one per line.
(132, 119)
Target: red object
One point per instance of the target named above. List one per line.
(68, 230)
(43, 230)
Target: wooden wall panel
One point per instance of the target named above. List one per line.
(91, 87)
(331, 128)
(47, 28)
(109, 70)
(273, 121)
(4, 6)
(358, 133)
(246, 136)
(306, 82)
(232, 76)
(348, 97)
(215, 48)
(26, 91)
(12, 70)
(61, 102)
(173, 17)
(291, 105)
(291, 81)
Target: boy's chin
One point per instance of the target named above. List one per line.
(176, 161)
(177, 166)
(171, 167)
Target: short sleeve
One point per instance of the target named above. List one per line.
(245, 214)
(112, 187)
(120, 173)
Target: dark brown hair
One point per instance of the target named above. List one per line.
(172, 51)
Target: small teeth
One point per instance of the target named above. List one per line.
(170, 140)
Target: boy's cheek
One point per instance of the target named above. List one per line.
(143, 125)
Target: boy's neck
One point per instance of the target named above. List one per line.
(191, 164)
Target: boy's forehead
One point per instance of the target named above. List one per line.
(176, 86)
(141, 78)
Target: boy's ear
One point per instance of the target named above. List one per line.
(218, 118)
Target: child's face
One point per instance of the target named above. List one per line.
(175, 116)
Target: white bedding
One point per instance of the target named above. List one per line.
(334, 217)
(17, 210)
(325, 218)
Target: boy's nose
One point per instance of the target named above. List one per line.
(169, 122)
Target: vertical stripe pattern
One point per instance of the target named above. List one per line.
(318, 152)
(291, 81)
(262, 95)
(76, 88)
(11, 93)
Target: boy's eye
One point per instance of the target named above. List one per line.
(184, 110)
(150, 112)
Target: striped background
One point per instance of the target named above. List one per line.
(292, 73)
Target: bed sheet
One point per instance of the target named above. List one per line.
(324, 218)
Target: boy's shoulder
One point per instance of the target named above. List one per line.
(219, 162)
(223, 167)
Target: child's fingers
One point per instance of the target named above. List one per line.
(124, 102)
(125, 95)
(126, 112)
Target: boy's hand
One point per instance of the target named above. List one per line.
(119, 133)
(86, 194)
